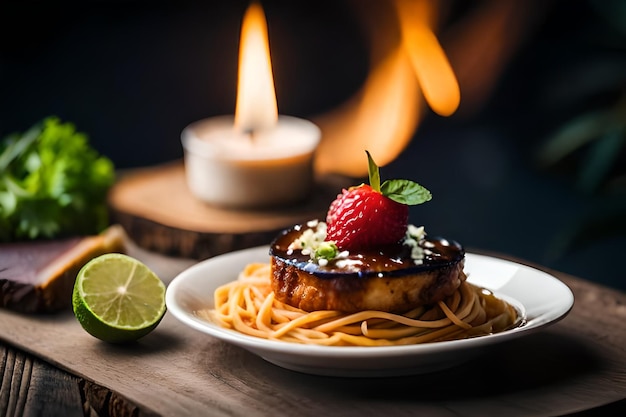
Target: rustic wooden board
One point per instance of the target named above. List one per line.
(32, 387)
(157, 210)
(577, 364)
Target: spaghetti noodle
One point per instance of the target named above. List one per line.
(248, 306)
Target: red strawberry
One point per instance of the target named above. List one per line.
(361, 217)
(373, 215)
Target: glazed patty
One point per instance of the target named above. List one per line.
(386, 278)
(351, 292)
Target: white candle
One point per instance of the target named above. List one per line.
(228, 168)
(256, 158)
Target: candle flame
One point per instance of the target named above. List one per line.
(256, 107)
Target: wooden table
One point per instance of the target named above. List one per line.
(50, 366)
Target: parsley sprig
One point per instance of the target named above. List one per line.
(52, 183)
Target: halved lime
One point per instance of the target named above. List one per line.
(117, 298)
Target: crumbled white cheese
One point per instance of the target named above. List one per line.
(310, 239)
(345, 263)
(415, 235)
(312, 242)
(313, 223)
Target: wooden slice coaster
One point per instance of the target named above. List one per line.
(159, 213)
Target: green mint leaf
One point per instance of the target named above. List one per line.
(401, 191)
(374, 172)
(405, 192)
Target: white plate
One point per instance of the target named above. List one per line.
(543, 297)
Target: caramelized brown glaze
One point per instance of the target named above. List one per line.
(385, 279)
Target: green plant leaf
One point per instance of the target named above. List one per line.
(374, 172)
(16, 145)
(601, 157)
(401, 191)
(405, 192)
(576, 134)
(604, 219)
(52, 183)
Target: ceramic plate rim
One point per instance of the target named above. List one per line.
(538, 316)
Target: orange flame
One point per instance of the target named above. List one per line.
(381, 119)
(384, 115)
(431, 65)
(256, 106)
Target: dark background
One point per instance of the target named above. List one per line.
(133, 74)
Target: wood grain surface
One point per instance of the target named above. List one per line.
(574, 365)
(32, 387)
(29, 386)
(157, 210)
